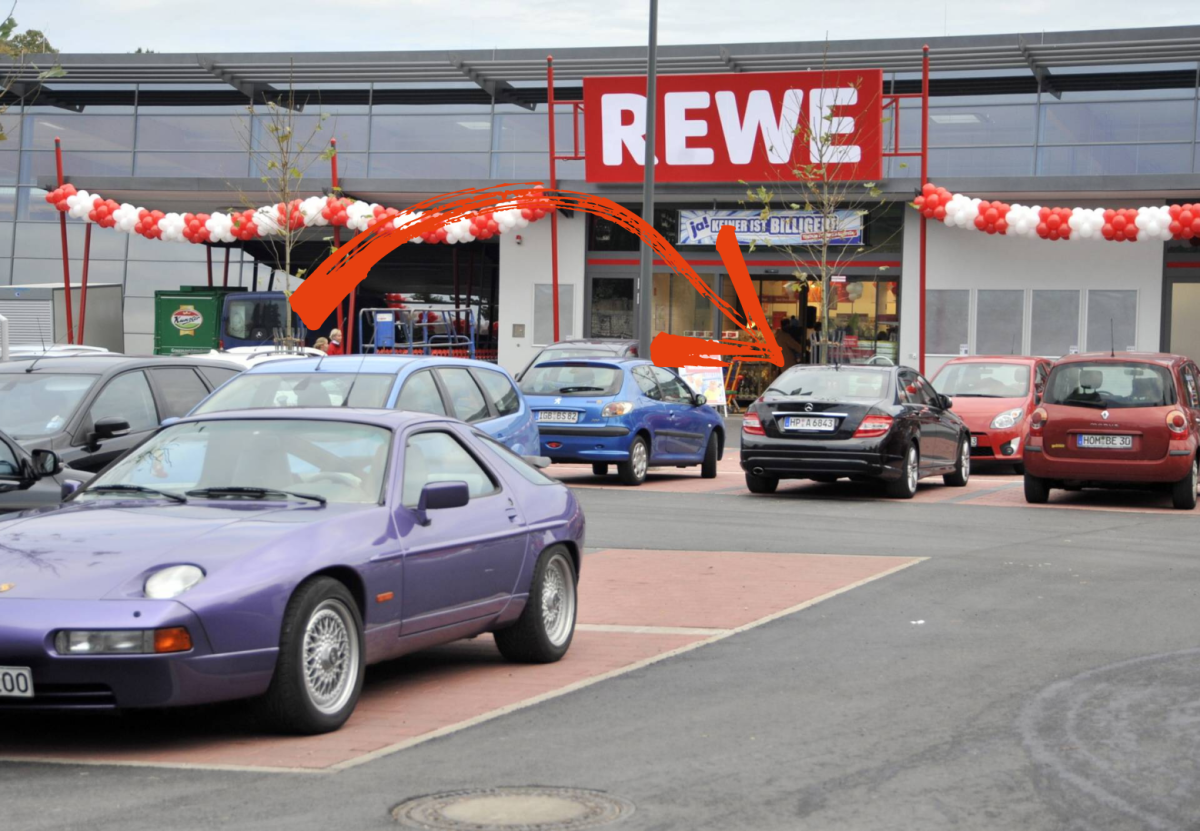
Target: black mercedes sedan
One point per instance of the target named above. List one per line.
(863, 422)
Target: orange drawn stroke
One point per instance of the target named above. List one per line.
(328, 284)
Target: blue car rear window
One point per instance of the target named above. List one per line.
(572, 379)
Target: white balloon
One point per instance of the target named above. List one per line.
(311, 208)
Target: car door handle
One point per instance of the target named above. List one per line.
(512, 514)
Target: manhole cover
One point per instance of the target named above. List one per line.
(512, 809)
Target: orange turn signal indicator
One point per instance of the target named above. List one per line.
(384, 597)
(175, 639)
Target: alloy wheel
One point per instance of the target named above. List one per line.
(558, 600)
(640, 459)
(912, 469)
(330, 657)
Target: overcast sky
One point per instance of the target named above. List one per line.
(308, 25)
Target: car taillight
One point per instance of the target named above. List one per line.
(616, 408)
(873, 426)
(1177, 422)
(752, 426)
(1037, 421)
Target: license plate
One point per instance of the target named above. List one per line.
(557, 416)
(809, 423)
(974, 441)
(1105, 442)
(16, 682)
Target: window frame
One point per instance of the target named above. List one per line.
(649, 376)
(88, 424)
(161, 402)
(655, 370)
(443, 395)
(12, 450)
(452, 411)
(447, 428)
(494, 405)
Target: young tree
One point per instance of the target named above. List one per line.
(283, 145)
(17, 47)
(828, 185)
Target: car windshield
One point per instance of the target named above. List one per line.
(831, 383)
(40, 404)
(336, 461)
(254, 390)
(977, 380)
(1110, 385)
(255, 318)
(572, 379)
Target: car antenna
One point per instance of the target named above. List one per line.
(42, 338)
(1112, 338)
(353, 381)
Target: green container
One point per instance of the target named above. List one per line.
(188, 320)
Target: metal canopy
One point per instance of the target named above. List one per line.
(496, 69)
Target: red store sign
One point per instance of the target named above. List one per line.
(753, 126)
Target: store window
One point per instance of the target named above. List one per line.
(999, 322)
(946, 320)
(543, 312)
(1111, 319)
(679, 308)
(1054, 324)
(612, 307)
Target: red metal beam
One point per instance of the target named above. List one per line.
(553, 187)
(337, 236)
(62, 224)
(87, 251)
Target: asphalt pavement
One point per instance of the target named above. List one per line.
(1038, 671)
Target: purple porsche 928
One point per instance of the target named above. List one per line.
(273, 555)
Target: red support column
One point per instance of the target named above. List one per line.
(208, 257)
(553, 187)
(337, 236)
(62, 224)
(924, 179)
(87, 250)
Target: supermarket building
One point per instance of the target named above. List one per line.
(1098, 118)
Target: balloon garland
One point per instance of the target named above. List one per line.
(1153, 224)
(254, 223)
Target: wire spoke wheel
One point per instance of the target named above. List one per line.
(330, 657)
(558, 600)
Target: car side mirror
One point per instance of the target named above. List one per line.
(437, 496)
(109, 428)
(46, 463)
(540, 462)
(699, 400)
(945, 402)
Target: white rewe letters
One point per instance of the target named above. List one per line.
(778, 134)
(623, 121)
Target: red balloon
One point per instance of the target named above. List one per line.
(1043, 230)
(1186, 217)
(1131, 232)
(926, 189)
(1196, 226)
(1108, 231)
(991, 228)
(919, 202)
(932, 200)
(1053, 222)
(1174, 211)
(1176, 228)
(1119, 222)
(1119, 236)
(1001, 226)
(991, 215)
(980, 223)
(1109, 214)
(1044, 214)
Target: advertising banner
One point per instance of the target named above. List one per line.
(708, 381)
(751, 126)
(700, 227)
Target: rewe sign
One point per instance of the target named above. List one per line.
(753, 126)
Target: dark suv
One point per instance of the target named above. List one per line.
(91, 409)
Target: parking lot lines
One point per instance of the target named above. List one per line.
(637, 607)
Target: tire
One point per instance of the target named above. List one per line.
(1019, 469)
(321, 618)
(761, 484)
(633, 472)
(962, 467)
(708, 468)
(600, 468)
(1037, 490)
(906, 486)
(543, 632)
(1183, 492)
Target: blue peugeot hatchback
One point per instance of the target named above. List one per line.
(476, 392)
(624, 411)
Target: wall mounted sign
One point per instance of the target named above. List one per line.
(700, 227)
(751, 126)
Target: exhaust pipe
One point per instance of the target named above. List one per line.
(758, 471)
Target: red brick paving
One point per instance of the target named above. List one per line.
(440, 690)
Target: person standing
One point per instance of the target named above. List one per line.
(322, 344)
(335, 343)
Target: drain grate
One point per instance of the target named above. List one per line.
(512, 809)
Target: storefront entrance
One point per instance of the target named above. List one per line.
(1181, 306)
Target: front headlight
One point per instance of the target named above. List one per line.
(172, 581)
(1007, 419)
